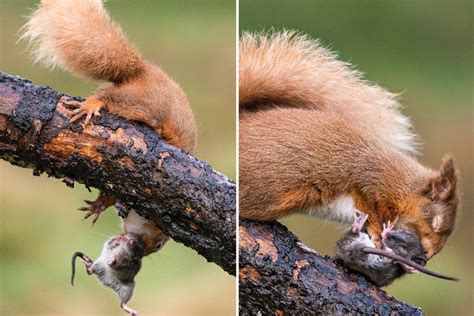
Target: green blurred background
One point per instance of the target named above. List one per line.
(420, 48)
(40, 228)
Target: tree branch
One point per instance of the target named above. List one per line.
(191, 202)
(279, 275)
(184, 196)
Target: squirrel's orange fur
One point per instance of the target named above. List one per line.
(290, 70)
(312, 132)
(80, 37)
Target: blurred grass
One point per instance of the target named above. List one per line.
(423, 49)
(194, 41)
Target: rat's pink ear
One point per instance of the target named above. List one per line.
(111, 261)
(443, 186)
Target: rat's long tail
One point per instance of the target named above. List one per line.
(287, 69)
(408, 262)
(73, 261)
(79, 36)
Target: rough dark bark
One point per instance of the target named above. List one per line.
(184, 196)
(279, 275)
(191, 202)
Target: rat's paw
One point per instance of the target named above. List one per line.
(128, 309)
(359, 221)
(90, 107)
(387, 228)
(95, 208)
(409, 269)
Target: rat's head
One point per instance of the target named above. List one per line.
(435, 206)
(127, 247)
(406, 244)
(135, 245)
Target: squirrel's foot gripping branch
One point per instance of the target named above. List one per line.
(89, 108)
(185, 197)
(279, 275)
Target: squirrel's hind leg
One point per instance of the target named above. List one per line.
(96, 207)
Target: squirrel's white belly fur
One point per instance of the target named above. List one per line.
(341, 210)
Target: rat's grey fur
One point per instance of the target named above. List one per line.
(117, 265)
(376, 269)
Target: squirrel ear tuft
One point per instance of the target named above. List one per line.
(443, 186)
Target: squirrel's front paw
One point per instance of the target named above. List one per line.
(90, 107)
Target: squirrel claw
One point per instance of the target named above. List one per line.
(92, 209)
(95, 218)
(95, 208)
(90, 107)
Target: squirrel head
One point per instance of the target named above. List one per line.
(436, 208)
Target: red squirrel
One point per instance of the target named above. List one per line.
(80, 37)
(316, 138)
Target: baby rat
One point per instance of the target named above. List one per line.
(379, 270)
(117, 266)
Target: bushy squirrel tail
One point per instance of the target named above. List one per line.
(79, 36)
(286, 69)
